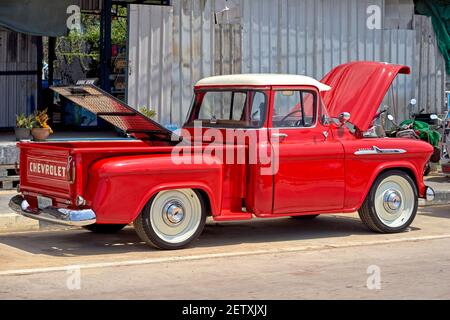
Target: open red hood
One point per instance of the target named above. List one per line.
(359, 88)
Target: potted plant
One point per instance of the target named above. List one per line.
(23, 126)
(41, 130)
(149, 113)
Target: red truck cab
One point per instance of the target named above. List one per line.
(252, 145)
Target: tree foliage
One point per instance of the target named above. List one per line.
(85, 43)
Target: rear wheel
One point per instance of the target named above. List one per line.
(172, 219)
(391, 204)
(105, 228)
(306, 217)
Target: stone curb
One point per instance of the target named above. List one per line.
(441, 198)
(11, 222)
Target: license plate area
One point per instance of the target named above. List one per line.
(44, 202)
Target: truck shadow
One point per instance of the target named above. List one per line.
(77, 243)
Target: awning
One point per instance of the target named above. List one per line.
(36, 17)
(50, 17)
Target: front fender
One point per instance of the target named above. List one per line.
(357, 192)
(119, 188)
(362, 170)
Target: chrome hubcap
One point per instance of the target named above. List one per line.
(392, 200)
(174, 212)
(175, 215)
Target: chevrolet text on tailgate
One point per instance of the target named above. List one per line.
(252, 145)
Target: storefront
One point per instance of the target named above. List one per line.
(69, 40)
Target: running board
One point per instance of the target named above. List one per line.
(233, 216)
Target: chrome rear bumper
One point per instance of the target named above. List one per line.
(66, 217)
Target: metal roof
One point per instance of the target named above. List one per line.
(262, 80)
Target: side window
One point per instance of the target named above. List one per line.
(308, 108)
(258, 107)
(296, 108)
(324, 117)
(238, 105)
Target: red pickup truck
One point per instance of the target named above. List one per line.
(252, 145)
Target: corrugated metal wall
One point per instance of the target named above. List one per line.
(18, 76)
(90, 5)
(170, 48)
(429, 70)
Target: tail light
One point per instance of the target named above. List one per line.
(71, 169)
(80, 201)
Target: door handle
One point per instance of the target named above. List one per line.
(279, 135)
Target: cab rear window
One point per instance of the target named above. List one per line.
(231, 108)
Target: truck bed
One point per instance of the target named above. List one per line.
(58, 169)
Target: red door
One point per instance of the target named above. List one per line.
(310, 172)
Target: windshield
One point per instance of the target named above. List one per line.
(231, 108)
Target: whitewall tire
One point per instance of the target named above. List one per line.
(391, 204)
(172, 219)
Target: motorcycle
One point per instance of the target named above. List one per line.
(426, 130)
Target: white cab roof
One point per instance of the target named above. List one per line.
(262, 80)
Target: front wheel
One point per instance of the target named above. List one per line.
(391, 204)
(172, 219)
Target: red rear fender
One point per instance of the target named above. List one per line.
(119, 188)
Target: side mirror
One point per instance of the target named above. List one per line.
(344, 117)
(340, 121)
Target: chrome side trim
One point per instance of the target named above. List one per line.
(67, 217)
(376, 150)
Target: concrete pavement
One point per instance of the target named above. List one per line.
(284, 258)
(410, 270)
